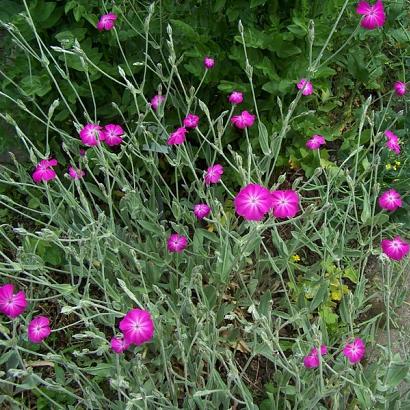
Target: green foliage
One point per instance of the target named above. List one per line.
(236, 312)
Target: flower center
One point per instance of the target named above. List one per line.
(253, 200)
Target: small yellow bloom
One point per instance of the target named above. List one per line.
(296, 258)
(388, 166)
(293, 164)
(395, 167)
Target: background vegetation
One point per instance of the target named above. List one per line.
(237, 311)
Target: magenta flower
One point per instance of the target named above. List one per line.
(209, 62)
(137, 327)
(107, 22)
(373, 16)
(75, 173)
(12, 304)
(390, 200)
(400, 88)
(355, 351)
(118, 344)
(201, 210)
(213, 174)
(44, 170)
(38, 329)
(285, 203)
(156, 100)
(177, 243)
(113, 134)
(177, 137)
(253, 202)
(315, 142)
(191, 121)
(392, 143)
(306, 86)
(236, 97)
(312, 359)
(92, 134)
(395, 248)
(244, 120)
(82, 152)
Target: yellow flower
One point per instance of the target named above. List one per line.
(398, 163)
(293, 164)
(296, 258)
(388, 166)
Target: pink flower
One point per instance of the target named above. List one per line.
(156, 100)
(209, 62)
(392, 143)
(355, 351)
(244, 120)
(118, 344)
(12, 305)
(177, 243)
(236, 97)
(38, 329)
(400, 88)
(253, 202)
(44, 171)
(213, 174)
(75, 173)
(312, 359)
(82, 152)
(177, 137)
(191, 121)
(113, 134)
(106, 22)
(306, 86)
(315, 142)
(374, 16)
(201, 210)
(137, 327)
(395, 248)
(92, 134)
(285, 203)
(390, 200)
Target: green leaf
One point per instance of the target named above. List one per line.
(103, 369)
(366, 212)
(225, 261)
(351, 274)
(186, 30)
(256, 3)
(287, 49)
(396, 373)
(9, 8)
(264, 138)
(324, 72)
(321, 295)
(36, 85)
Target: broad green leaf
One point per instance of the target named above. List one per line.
(321, 295)
(396, 372)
